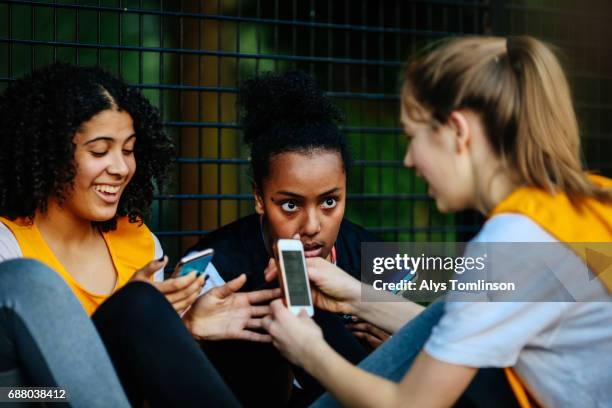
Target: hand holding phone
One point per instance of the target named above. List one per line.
(294, 276)
(196, 261)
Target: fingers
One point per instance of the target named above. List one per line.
(254, 324)
(182, 305)
(266, 323)
(265, 295)
(368, 328)
(372, 341)
(147, 271)
(277, 307)
(254, 336)
(230, 287)
(193, 289)
(271, 271)
(372, 334)
(258, 311)
(313, 266)
(176, 284)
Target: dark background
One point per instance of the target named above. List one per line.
(188, 56)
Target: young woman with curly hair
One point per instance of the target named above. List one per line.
(491, 126)
(80, 155)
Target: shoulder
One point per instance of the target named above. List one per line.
(133, 239)
(124, 226)
(230, 235)
(9, 247)
(508, 227)
(354, 232)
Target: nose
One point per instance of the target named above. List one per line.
(408, 160)
(312, 223)
(118, 165)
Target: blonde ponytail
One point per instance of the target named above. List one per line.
(519, 89)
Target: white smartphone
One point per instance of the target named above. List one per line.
(294, 278)
(195, 261)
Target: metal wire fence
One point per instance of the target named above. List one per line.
(189, 56)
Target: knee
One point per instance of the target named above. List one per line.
(21, 274)
(140, 300)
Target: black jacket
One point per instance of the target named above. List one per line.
(257, 373)
(239, 248)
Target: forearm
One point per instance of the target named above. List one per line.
(350, 385)
(389, 312)
(354, 387)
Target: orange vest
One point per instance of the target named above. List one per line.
(131, 246)
(591, 223)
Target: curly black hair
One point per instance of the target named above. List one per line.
(41, 113)
(286, 113)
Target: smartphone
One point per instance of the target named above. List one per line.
(405, 275)
(195, 261)
(294, 278)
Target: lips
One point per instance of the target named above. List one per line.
(312, 250)
(108, 193)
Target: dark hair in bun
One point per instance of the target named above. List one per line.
(288, 113)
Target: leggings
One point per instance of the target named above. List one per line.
(46, 339)
(155, 356)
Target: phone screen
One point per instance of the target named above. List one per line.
(198, 265)
(296, 278)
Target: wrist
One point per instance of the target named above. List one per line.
(191, 326)
(188, 322)
(316, 356)
(354, 306)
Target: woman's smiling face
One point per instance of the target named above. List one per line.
(104, 162)
(305, 194)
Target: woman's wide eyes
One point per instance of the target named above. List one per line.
(289, 206)
(326, 204)
(329, 203)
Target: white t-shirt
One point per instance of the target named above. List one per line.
(561, 350)
(9, 249)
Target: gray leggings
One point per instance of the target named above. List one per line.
(47, 339)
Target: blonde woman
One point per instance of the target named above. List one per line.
(491, 127)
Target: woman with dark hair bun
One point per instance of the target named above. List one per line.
(299, 165)
(81, 154)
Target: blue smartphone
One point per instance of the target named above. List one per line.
(405, 275)
(196, 261)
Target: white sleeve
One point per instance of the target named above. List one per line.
(488, 334)
(214, 279)
(9, 248)
(492, 334)
(159, 275)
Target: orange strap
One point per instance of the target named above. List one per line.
(131, 246)
(518, 389)
(581, 228)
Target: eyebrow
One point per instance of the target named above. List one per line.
(294, 195)
(106, 139)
